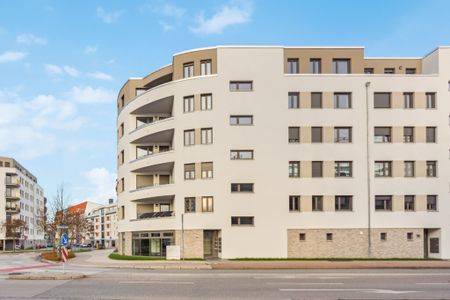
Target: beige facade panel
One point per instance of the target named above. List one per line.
(328, 134)
(397, 100)
(328, 100)
(399, 64)
(306, 203)
(328, 168)
(397, 134)
(196, 57)
(197, 103)
(398, 168)
(305, 100)
(398, 203)
(198, 136)
(420, 100)
(328, 203)
(305, 169)
(421, 168)
(305, 135)
(421, 203)
(420, 134)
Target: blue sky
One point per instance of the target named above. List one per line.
(63, 62)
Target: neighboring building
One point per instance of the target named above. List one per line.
(84, 209)
(103, 225)
(22, 198)
(286, 152)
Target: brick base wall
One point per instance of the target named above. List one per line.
(193, 243)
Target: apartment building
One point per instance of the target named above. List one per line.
(242, 151)
(103, 225)
(22, 198)
(81, 227)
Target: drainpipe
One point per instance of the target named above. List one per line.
(182, 236)
(369, 204)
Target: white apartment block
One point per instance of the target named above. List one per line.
(286, 152)
(21, 197)
(103, 225)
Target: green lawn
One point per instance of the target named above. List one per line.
(329, 259)
(128, 257)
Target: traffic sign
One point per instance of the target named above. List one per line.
(62, 227)
(64, 253)
(64, 240)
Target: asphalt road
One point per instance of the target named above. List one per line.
(215, 284)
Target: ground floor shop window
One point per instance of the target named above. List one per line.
(151, 243)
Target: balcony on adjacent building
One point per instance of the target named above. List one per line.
(12, 179)
(12, 208)
(12, 193)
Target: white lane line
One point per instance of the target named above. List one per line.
(434, 283)
(156, 282)
(375, 291)
(305, 283)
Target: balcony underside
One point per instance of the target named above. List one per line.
(164, 136)
(164, 167)
(157, 199)
(163, 105)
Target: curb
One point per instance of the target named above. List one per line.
(46, 276)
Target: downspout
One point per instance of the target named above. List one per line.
(369, 205)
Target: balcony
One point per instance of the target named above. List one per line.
(12, 208)
(12, 194)
(12, 180)
(155, 207)
(160, 132)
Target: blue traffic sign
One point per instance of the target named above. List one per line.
(64, 240)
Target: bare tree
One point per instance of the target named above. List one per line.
(13, 228)
(58, 215)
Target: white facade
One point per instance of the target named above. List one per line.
(267, 102)
(103, 223)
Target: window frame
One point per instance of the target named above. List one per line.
(337, 67)
(337, 101)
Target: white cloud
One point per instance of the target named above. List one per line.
(30, 39)
(169, 10)
(227, 15)
(108, 17)
(102, 185)
(9, 112)
(166, 27)
(100, 76)
(59, 70)
(88, 94)
(11, 56)
(90, 49)
(71, 71)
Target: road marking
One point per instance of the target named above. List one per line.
(26, 268)
(434, 283)
(306, 283)
(349, 290)
(156, 282)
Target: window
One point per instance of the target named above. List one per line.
(431, 135)
(383, 236)
(382, 135)
(189, 204)
(122, 157)
(409, 168)
(329, 236)
(383, 168)
(343, 203)
(206, 102)
(341, 66)
(294, 203)
(317, 169)
(189, 137)
(292, 65)
(316, 134)
(241, 154)
(316, 100)
(189, 171)
(315, 66)
(410, 71)
(294, 135)
(389, 71)
(188, 70)
(241, 120)
(294, 169)
(241, 86)
(207, 170)
(205, 67)
(342, 134)
(343, 169)
(432, 202)
(408, 134)
(408, 99)
(342, 100)
(382, 100)
(431, 168)
(206, 136)
(431, 100)
(121, 130)
(383, 202)
(317, 203)
(302, 236)
(409, 236)
(368, 71)
(293, 99)
(409, 202)
(241, 187)
(207, 204)
(242, 220)
(188, 104)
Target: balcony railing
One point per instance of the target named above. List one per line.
(152, 215)
(170, 150)
(15, 195)
(151, 123)
(12, 180)
(152, 186)
(12, 208)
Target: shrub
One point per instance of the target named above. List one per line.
(53, 256)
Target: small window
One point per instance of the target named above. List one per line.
(432, 202)
(206, 136)
(206, 102)
(241, 120)
(241, 187)
(317, 203)
(315, 66)
(241, 154)
(316, 134)
(294, 169)
(242, 220)
(189, 204)
(342, 134)
(431, 100)
(368, 71)
(410, 71)
(383, 203)
(189, 171)
(431, 134)
(188, 69)
(382, 100)
(294, 135)
(316, 100)
(317, 169)
(293, 100)
(342, 100)
(383, 236)
(122, 100)
(389, 71)
(342, 169)
(207, 204)
(410, 202)
(343, 203)
(292, 65)
(409, 236)
(294, 203)
(383, 169)
(408, 100)
(189, 137)
(408, 134)
(205, 67)
(302, 236)
(241, 86)
(329, 236)
(341, 66)
(382, 135)
(188, 104)
(431, 168)
(409, 168)
(207, 170)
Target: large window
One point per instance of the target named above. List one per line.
(316, 134)
(341, 66)
(207, 204)
(342, 134)
(382, 135)
(294, 135)
(408, 134)
(431, 168)
(152, 243)
(189, 137)
(188, 104)
(317, 203)
(317, 169)
(292, 64)
(241, 120)
(343, 203)
(207, 170)
(382, 100)
(409, 168)
(189, 171)
(242, 187)
(241, 154)
(206, 67)
(207, 136)
(206, 102)
(383, 169)
(316, 100)
(431, 100)
(315, 66)
(294, 169)
(242, 86)
(188, 70)
(431, 134)
(383, 202)
(242, 221)
(432, 202)
(294, 203)
(408, 99)
(293, 100)
(409, 202)
(342, 100)
(343, 169)
(189, 204)
(142, 151)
